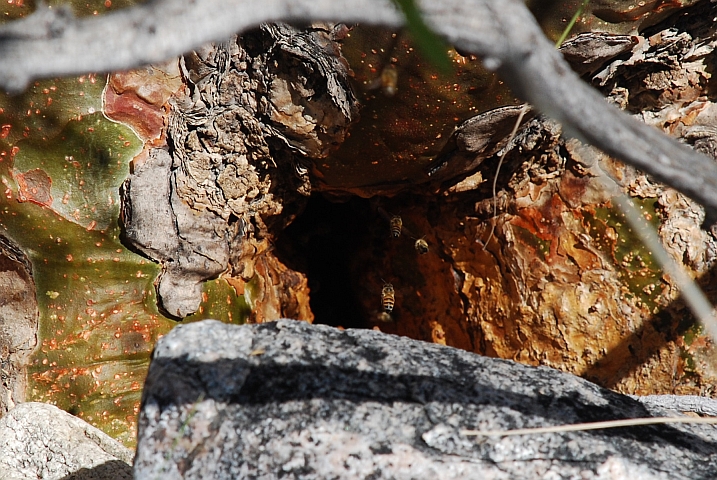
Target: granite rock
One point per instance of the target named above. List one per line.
(38, 440)
(292, 400)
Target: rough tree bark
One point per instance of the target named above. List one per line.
(18, 323)
(560, 281)
(554, 284)
(503, 32)
(257, 110)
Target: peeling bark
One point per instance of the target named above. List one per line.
(19, 315)
(154, 216)
(255, 111)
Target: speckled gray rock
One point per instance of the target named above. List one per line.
(293, 400)
(38, 440)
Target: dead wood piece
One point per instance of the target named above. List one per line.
(473, 141)
(19, 315)
(257, 109)
(588, 52)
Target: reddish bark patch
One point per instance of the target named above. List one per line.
(146, 120)
(532, 220)
(34, 186)
(139, 99)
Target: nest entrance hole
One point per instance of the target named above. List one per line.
(324, 242)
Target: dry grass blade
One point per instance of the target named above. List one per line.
(579, 427)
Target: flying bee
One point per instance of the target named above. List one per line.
(394, 221)
(421, 246)
(384, 317)
(389, 80)
(396, 226)
(388, 298)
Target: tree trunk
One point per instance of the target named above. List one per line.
(542, 269)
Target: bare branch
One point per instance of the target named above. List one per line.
(51, 42)
(503, 32)
(681, 403)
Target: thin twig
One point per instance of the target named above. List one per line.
(579, 427)
(497, 170)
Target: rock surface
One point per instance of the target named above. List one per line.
(292, 400)
(38, 440)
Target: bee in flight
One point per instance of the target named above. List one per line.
(384, 317)
(394, 221)
(421, 246)
(389, 80)
(396, 226)
(388, 298)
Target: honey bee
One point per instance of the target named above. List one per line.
(395, 222)
(384, 317)
(387, 297)
(421, 246)
(389, 81)
(396, 226)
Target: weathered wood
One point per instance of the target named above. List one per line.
(19, 315)
(257, 110)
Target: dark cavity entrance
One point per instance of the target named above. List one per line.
(323, 242)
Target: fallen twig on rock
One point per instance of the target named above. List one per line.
(579, 427)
